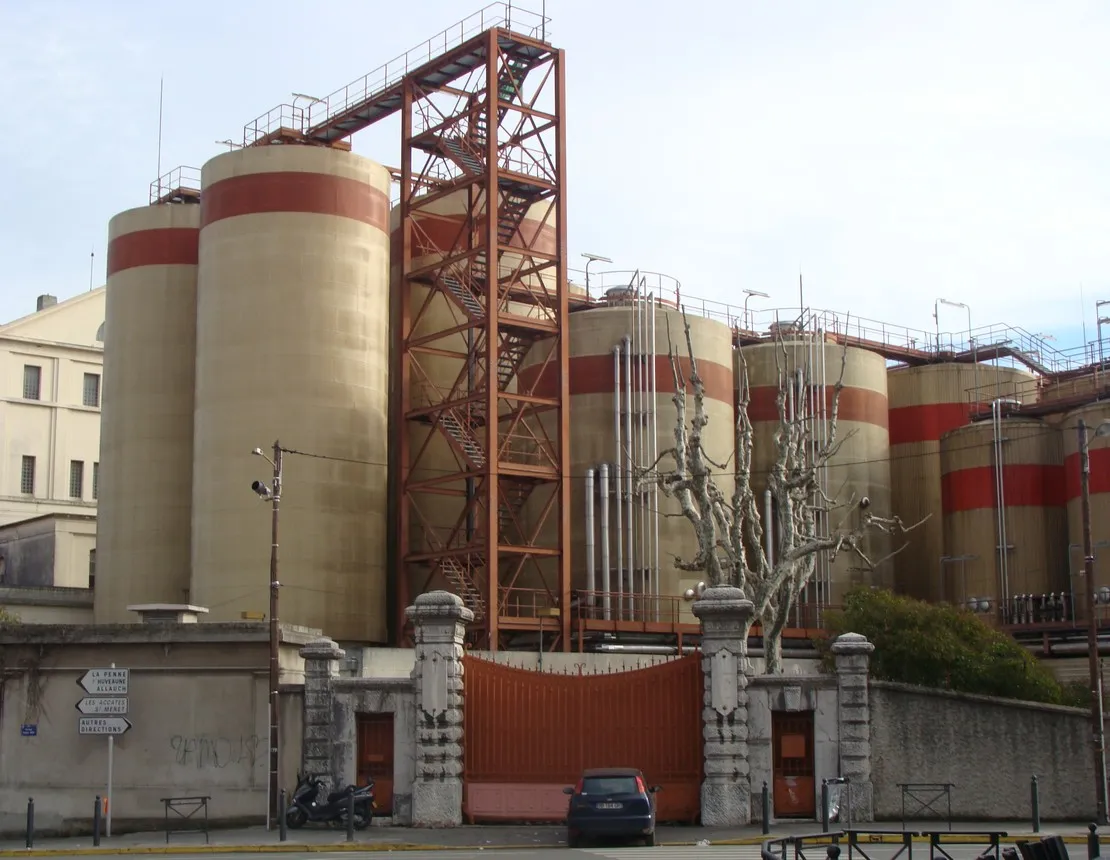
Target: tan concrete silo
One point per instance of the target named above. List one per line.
(1031, 523)
(1099, 486)
(146, 423)
(925, 403)
(861, 466)
(655, 540)
(293, 345)
(435, 365)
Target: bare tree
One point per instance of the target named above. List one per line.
(730, 531)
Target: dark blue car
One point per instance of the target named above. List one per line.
(611, 802)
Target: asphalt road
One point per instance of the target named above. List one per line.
(661, 852)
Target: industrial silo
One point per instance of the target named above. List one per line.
(437, 366)
(1099, 486)
(146, 423)
(622, 420)
(293, 345)
(925, 403)
(859, 468)
(1030, 523)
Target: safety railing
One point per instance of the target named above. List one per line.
(364, 89)
(283, 117)
(180, 183)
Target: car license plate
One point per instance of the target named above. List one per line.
(610, 805)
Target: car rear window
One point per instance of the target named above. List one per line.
(609, 785)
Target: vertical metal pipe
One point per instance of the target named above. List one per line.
(656, 567)
(641, 451)
(603, 492)
(618, 485)
(769, 527)
(1098, 725)
(591, 580)
(628, 463)
(635, 523)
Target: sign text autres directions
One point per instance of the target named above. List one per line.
(102, 725)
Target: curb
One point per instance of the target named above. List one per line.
(894, 839)
(271, 848)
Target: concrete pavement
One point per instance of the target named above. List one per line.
(662, 852)
(506, 839)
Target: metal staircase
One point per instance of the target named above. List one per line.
(457, 574)
(510, 356)
(463, 155)
(466, 298)
(510, 502)
(461, 434)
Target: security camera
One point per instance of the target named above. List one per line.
(260, 488)
(864, 503)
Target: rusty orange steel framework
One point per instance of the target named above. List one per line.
(502, 144)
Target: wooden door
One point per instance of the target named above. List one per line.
(793, 761)
(375, 757)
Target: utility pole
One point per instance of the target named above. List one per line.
(273, 495)
(1098, 739)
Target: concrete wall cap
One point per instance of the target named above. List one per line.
(439, 604)
(848, 644)
(718, 600)
(322, 649)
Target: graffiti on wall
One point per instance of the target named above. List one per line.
(210, 751)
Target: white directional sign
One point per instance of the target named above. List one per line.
(105, 682)
(102, 705)
(102, 725)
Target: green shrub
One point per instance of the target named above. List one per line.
(937, 645)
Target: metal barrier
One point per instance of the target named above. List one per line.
(857, 842)
(927, 795)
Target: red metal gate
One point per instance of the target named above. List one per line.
(528, 734)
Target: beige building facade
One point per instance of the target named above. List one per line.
(50, 393)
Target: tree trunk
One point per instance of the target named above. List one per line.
(772, 652)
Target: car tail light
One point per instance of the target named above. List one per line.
(578, 787)
(640, 786)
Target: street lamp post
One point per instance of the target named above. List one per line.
(749, 294)
(1098, 737)
(272, 494)
(592, 258)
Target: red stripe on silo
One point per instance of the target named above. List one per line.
(926, 422)
(1026, 485)
(593, 374)
(438, 233)
(290, 191)
(861, 405)
(1100, 473)
(164, 246)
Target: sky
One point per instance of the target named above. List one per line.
(891, 152)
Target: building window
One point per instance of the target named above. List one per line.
(91, 391)
(76, 479)
(92, 568)
(96, 481)
(27, 476)
(32, 382)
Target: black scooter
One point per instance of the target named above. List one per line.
(305, 805)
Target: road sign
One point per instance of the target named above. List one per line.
(105, 682)
(112, 726)
(29, 730)
(102, 705)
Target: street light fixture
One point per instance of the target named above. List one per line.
(592, 258)
(1098, 732)
(272, 494)
(750, 294)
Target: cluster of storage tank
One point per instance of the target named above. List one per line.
(264, 312)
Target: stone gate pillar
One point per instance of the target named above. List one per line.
(853, 659)
(439, 621)
(321, 659)
(726, 790)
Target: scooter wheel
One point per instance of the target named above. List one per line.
(295, 818)
(362, 819)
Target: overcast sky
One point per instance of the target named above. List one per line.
(893, 152)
